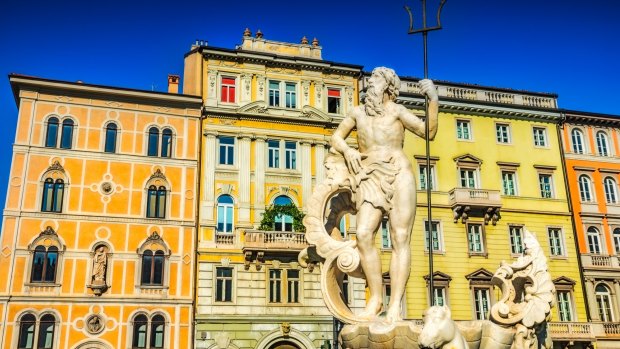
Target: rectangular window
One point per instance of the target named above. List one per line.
(440, 296)
(290, 95)
(423, 178)
(386, 241)
(463, 129)
(565, 306)
(292, 282)
(540, 136)
(475, 238)
(509, 183)
(482, 303)
(556, 241)
(274, 93)
(273, 150)
(227, 150)
(516, 239)
(387, 294)
(436, 236)
(333, 101)
(223, 284)
(275, 286)
(468, 178)
(290, 155)
(546, 188)
(502, 133)
(227, 91)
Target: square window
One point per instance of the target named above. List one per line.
(463, 129)
(502, 133)
(227, 90)
(333, 101)
(509, 183)
(227, 150)
(556, 242)
(540, 136)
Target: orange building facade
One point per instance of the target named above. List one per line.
(98, 236)
(592, 154)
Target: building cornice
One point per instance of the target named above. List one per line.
(99, 218)
(211, 112)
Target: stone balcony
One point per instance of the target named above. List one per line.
(472, 202)
(599, 261)
(259, 245)
(572, 331)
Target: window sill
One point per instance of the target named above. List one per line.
(283, 304)
(436, 252)
(464, 139)
(42, 284)
(479, 254)
(559, 257)
(154, 287)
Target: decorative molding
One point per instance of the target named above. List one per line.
(56, 166)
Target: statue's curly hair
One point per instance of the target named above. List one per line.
(392, 80)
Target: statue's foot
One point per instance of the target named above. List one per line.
(393, 314)
(373, 308)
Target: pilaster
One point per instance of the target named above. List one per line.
(259, 177)
(211, 88)
(319, 155)
(593, 308)
(319, 93)
(306, 173)
(244, 179)
(208, 199)
(260, 82)
(305, 93)
(246, 88)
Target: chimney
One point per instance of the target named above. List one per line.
(173, 83)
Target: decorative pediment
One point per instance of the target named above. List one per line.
(254, 107)
(480, 276)
(49, 231)
(468, 159)
(154, 242)
(564, 283)
(48, 237)
(56, 166)
(157, 175)
(439, 278)
(314, 113)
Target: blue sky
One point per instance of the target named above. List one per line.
(567, 47)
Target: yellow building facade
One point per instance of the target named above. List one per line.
(99, 226)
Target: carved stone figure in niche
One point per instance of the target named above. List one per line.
(384, 180)
(100, 264)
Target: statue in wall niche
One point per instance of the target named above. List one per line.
(373, 181)
(100, 264)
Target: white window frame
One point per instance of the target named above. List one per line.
(585, 188)
(229, 147)
(616, 239)
(479, 302)
(225, 206)
(556, 242)
(611, 190)
(599, 298)
(602, 144)
(475, 175)
(471, 242)
(286, 157)
(594, 240)
(290, 156)
(273, 151)
(220, 87)
(540, 135)
(542, 191)
(514, 183)
(565, 302)
(284, 286)
(386, 239)
(439, 291)
(439, 237)
(224, 279)
(513, 241)
(460, 134)
(282, 93)
(578, 144)
(422, 170)
(502, 133)
(340, 110)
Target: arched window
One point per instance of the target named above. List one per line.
(153, 268)
(166, 143)
(578, 144)
(140, 324)
(594, 240)
(158, 325)
(27, 327)
(603, 301)
(611, 191)
(156, 202)
(46, 332)
(44, 264)
(153, 142)
(225, 214)
(51, 135)
(53, 192)
(585, 188)
(110, 138)
(66, 139)
(602, 144)
(283, 222)
(616, 235)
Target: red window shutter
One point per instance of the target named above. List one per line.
(333, 92)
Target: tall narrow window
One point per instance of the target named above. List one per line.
(110, 138)
(463, 129)
(53, 192)
(283, 222)
(540, 136)
(423, 179)
(585, 189)
(44, 264)
(556, 242)
(225, 214)
(153, 142)
(46, 332)
(611, 190)
(292, 282)
(436, 236)
(482, 303)
(291, 95)
(275, 286)
(228, 90)
(158, 324)
(166, 143)
(153, 268)
(156, 202)
(516, 239)
(509, 183)
(274, 93)
(223, 284)
(386, 240)
(273, 150)
(578, 143)
(66, 139)
(502, 133)
(290, 155)
(468, 178)
(440, 296)
(51, 135)
(603, 301)
(616, 235)
(27, 327)
(594, 240)
(140, 324)
(475, 238)
(227, 150)
(333, 101)
(565, 306)
(546, 189)
(602, 144)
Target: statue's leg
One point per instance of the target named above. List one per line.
(401, 221)
(368, 220)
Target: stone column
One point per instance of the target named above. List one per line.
(259, 178)
(319, 158)
(243, 217)
(616, 301)
(210, 159)
(246, 88)
(305, 166)
(590, 293)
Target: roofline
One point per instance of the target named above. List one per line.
(18, 80)
(577, 116)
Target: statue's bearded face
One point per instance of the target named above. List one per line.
(374, 95)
